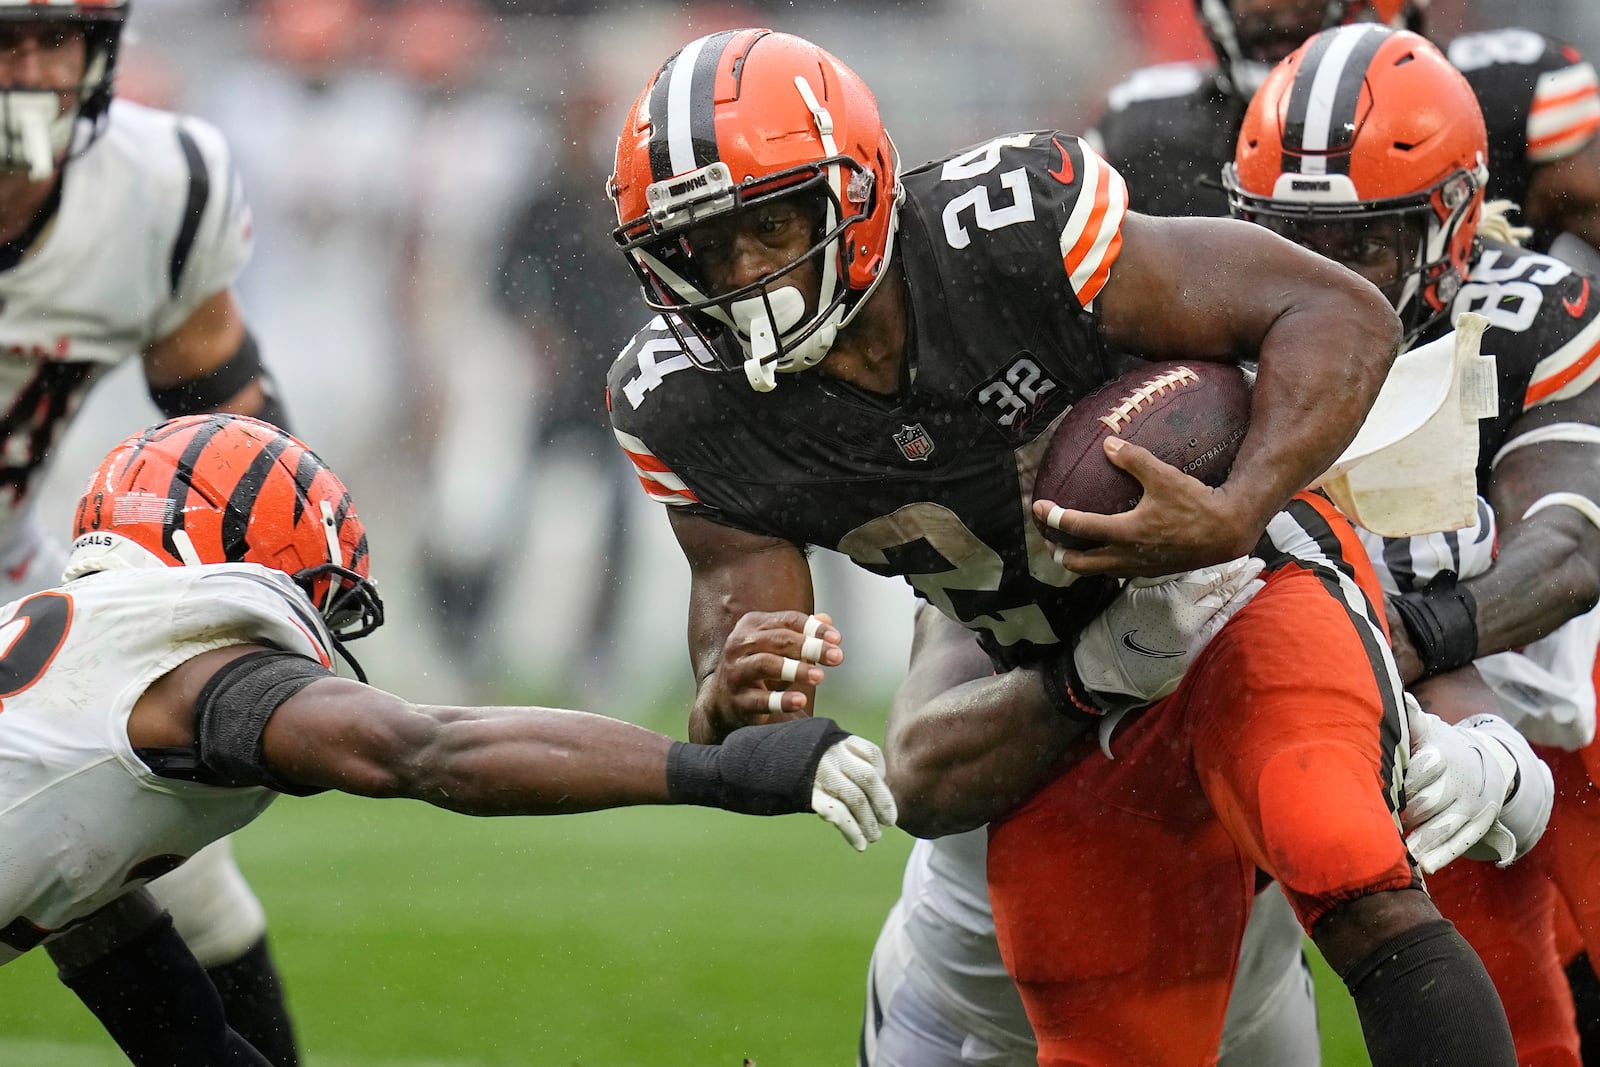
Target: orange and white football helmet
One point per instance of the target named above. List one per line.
(734, 119)
(36, 128)
(222, 488)
(1248, 44)
(1362, 127)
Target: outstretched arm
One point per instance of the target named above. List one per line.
(333, 733)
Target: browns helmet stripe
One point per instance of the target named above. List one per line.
(683, 133)
(1320, 126)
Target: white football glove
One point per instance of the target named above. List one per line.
(849, 791)
(1456, 782)
(1136, 650)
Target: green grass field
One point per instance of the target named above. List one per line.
(645, 938)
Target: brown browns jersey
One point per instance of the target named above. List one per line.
(1003, 248)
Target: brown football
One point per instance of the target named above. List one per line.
(1190, 414)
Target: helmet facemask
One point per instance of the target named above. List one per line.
(41, 124)
(767, 317)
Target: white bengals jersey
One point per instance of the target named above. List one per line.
(82, 818)
(152, 222)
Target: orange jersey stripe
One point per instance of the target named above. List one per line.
(1546, 387)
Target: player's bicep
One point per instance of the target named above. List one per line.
(1552, 449)
(1193, 288)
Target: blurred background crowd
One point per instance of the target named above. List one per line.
(434, 285)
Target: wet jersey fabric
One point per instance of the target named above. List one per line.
(1170, 129)
(1004, 247)
(152, 222)
(82, 818)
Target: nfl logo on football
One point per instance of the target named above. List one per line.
(914, 442)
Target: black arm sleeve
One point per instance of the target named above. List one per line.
(234, 708)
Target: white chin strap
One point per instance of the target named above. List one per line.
(762, 361)
(35, 131)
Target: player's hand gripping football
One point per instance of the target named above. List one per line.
(1136, 651)
(1474, 789)
(1178, 525)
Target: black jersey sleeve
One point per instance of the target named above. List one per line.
(1540, 101)
(1041, 208)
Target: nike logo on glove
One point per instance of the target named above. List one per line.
(1133, 646)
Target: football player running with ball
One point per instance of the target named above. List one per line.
(1357, 170)
(869, 361)
(224, 566)
(122, 230)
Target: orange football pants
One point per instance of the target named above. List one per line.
(1121, 890)
(1512, 916)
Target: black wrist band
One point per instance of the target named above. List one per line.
(692, 775)
(1442, 622)
(1066, 690)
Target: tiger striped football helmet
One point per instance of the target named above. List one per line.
(731, 120)
(221, 488)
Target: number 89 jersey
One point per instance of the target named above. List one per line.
(1003, 248)
(82, 817)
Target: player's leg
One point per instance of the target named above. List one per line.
(1119, 905)
(937, 992)
(130, 968)
(1508, 917)
(1570, 851)
(1295, 713)
(222, 922)
(1272, 1012)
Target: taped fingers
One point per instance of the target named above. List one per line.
(812, 649)
(791, 667)
(775, 702)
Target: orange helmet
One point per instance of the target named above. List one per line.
(1366, 126)
(1247, 48)
(731, 120)
(231, 489)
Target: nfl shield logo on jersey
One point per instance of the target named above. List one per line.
(914, 442)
